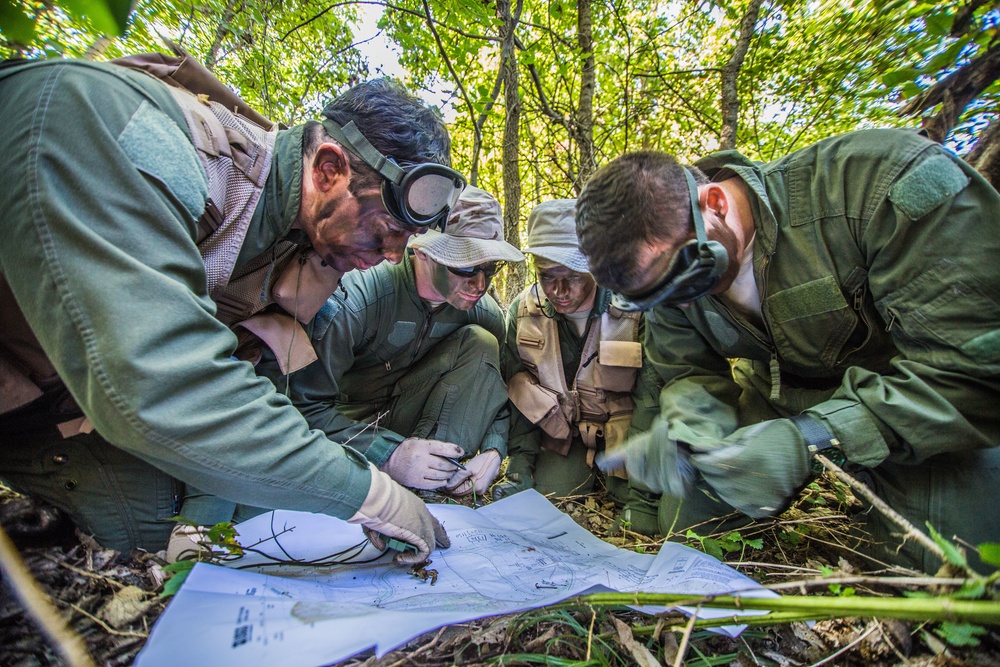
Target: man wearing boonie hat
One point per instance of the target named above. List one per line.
(572, 362)
(408, 357)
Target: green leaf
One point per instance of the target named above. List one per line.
(173, 584)
(896, 77)
(938, 23)
(971, 590)
(989, 552)
(757, 543)
(951, 552)
(960, 634)
(15, 24)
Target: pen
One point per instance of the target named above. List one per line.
(451, 460)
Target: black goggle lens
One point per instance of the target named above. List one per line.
(488, 270)
(426, 194)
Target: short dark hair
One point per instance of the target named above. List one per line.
(637, 199)
(396, 122)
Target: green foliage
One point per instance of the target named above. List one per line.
(179, 571)
(727, 544)
(989, 552)
(951, 552)
(960, 634)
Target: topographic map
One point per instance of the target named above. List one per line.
(292, 606)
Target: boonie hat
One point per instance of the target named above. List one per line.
(552, 234)
(472, 236)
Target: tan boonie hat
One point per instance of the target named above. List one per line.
(552, 234)
(473, 234)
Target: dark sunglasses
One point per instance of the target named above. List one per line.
(694, 270)
(488, 270)
(419, 195)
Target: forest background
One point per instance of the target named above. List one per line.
(537, 94)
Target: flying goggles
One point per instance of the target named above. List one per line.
(694, 270)
(419, 195)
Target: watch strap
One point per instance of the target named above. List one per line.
(819, 440)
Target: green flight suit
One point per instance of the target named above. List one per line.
(101, 196)
(387, 355)
(875, 256)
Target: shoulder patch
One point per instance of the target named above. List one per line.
(159, 148)
(324, 318)
(927, 186)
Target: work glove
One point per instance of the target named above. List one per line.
(423, 464)
(653, 459)
(187, 543)
(390, 511)
(758, 469)
(517, 478)
(479, 473)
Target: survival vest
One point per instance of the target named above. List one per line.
(598, 406)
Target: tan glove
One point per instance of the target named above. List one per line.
(185, 543)
(418, 463)
(479, 473)
(391, 511)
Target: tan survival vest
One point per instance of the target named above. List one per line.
(236, 153)
(599, 405)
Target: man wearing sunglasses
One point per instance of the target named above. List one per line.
(142, 222)
(408, 370)
(572, 361)
(842, 301)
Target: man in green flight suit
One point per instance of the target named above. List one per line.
(408, 370)
(572, 362)
(129, 224)
(854, 283)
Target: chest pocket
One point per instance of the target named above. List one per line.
(811, 321)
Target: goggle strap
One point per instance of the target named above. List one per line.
(699, 222)
(350, 136)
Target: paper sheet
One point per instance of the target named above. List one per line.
(512, 555)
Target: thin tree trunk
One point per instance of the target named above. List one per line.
(222, 31)
(585, 110)
(731, 72)
(985, 156)
(511, 159)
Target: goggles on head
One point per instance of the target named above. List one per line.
(694, 270)
(418, 195)
(488, 270)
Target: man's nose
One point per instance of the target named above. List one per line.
(393, 249)
(562, 287)
(478, 281)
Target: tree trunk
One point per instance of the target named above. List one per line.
(585, 110)
(222, 31)
(985, 155)
(731, 72)
(511, 159)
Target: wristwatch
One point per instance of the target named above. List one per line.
(819, 440)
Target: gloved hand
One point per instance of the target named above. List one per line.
(655, 460)
(479, 473)
(757, 469)
(417, 463)
(391, 511)
(185, 543)
(518, 478)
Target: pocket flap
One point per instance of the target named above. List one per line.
(620, 353)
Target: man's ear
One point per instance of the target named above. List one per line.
(330, 167)
(421, 254)
(713, 198)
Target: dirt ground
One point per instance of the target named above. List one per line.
(111, 601)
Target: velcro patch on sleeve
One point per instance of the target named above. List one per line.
(805, 300)
(927, 186)
(160, 149)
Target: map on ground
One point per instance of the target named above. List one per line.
(291, 606)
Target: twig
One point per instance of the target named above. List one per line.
(685, 638)
(910, 530)
(40, 607)
(423, 649)
(85, 573)
(590, 633)
(847, 648)
(108, 628)
(869, 581)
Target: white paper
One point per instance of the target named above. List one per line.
(512, 555)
